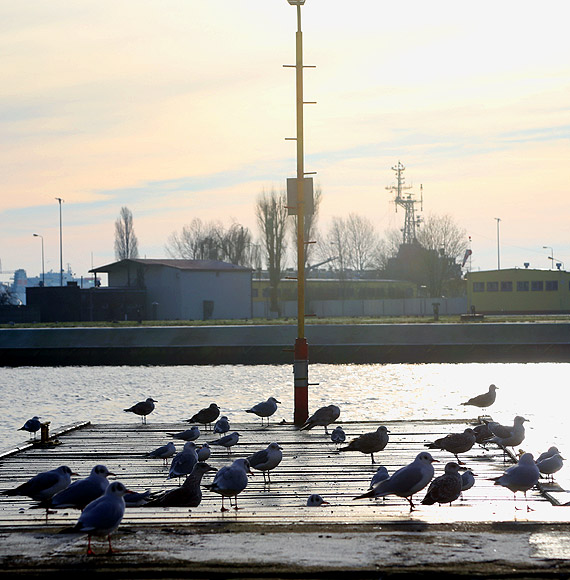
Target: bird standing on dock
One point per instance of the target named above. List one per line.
(520, 477)
(467, 480)
(483, 400)
(222, 425)
(265, 409)
(102, 516)
(446, 488)
(204, 452)
(44, 485)
(164, 452)
(322, 417)
(228, 441)
(188, 434)
(407, 480)
(506, 436)
(338, 436)
(315, 500)
(32, 426)
(188, 494)
(550, 465)
(142, 408)
(183, 462)
(266, 460)
(206, 416)
(230, 481)
(369, 442)
(551, 451)
(455, 443)
(81, 492)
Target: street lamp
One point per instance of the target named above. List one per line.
(498, 245)
(43, 269)
(60, 245)
(551, 254)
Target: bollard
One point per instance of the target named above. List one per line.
(44, 433)
(435, 310)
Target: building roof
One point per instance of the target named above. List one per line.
(194, 265)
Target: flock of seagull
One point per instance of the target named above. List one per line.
(102, 504)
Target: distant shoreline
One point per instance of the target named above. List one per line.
(272, 344)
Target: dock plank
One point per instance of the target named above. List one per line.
(311, 464)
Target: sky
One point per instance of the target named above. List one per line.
(180, 109)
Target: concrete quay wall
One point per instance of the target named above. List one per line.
(272, 344)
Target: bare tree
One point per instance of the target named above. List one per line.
(441, 233)
(236, 245)
(196, 241)
(126, 243)
(362, 242)
(271, 213)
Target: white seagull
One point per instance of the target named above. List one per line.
(164, 452)
(230, 481)
(322, 417)
(222, 425)
(183, 462)
(520, 477)
(44, 485)
(407, 480)
(266, 460)
(102, 516)
(32, 426)
(264, 409)
(315, 500)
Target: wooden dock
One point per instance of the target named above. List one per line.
(311, 464)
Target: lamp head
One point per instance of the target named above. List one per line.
(37, 235)
(296, 2)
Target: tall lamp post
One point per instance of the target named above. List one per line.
(60, 245)
(301, 356)
(498, 245)
(43, 269)
(551, 255)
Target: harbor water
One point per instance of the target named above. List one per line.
(367, 392)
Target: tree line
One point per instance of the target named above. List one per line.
(350, 246)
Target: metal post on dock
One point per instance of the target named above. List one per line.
(301, 357)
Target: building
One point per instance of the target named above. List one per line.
(184, 289)
(519, 291)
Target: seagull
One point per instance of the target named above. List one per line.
(315, 500)
(204, 452)
(455, 443)
(142, 408)
(467, 480)
(182, 463)
(484, 400)
(227, 441)
(266, 460)
(32, 426)
(230, 481)
(446, 488)
(322, 417)
(44, 485)
(407, 480)
(102, 516)
(163, 452)
(482, 434)
(520, 477)
(338, 435)
(188, 494)
(205, 416)
(265, 409)
(369, 442)
(82, 491)
(550, 465)
(380, 475)
(222, 425)
(188, 435)
(508, 436)
(551, 451)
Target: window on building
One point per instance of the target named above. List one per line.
(523, 286)
(506, 286)
(480, 287)
(537, 286)
(492, 286)
(551, 286)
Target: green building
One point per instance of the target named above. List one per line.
(519, 291)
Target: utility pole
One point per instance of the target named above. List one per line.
(498, 245)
